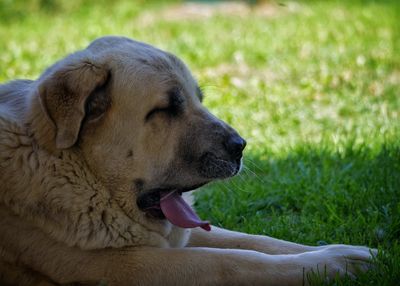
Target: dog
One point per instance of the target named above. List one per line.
(97, 157)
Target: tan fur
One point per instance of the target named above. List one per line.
(69, 182)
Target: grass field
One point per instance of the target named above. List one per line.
(313, 86)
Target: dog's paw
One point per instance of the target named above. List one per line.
(339, 260)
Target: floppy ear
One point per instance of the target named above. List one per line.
(63, 95)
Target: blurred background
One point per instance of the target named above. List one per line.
(313, 86)
(308, 70)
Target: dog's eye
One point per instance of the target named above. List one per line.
(175, 105)
(155, 111)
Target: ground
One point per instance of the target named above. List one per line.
(314, 87)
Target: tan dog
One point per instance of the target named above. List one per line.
(94, 158)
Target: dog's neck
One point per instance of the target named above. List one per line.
(60, 196)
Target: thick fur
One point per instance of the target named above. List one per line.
(95, 131)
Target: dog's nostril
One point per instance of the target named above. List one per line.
(235, 146)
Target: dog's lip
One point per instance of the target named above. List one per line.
(165, 189)
(239, 165)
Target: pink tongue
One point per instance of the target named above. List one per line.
(179, 213)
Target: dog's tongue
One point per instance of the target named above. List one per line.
(179, 213)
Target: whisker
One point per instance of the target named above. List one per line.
(237, 186)
(255, 165)
(251, 173)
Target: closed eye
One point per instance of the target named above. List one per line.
(174, 108)
(157, 110)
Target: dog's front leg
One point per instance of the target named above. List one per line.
(212, 266)
(333, 256)
(171, 266)
(222, 238)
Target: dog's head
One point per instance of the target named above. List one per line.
(134, 113)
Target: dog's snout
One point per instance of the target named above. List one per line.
(235, 146)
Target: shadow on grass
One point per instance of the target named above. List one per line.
(316, 195)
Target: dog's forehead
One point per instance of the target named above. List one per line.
(135, 56)
(141, 66)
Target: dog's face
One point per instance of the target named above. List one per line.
(141, 126)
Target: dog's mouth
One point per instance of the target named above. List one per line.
(168, 203)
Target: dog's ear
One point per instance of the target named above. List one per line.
(64, 93)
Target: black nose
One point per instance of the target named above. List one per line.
(235, 145)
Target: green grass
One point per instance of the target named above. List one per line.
(314, 87)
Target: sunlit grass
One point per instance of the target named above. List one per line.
(313, 86)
